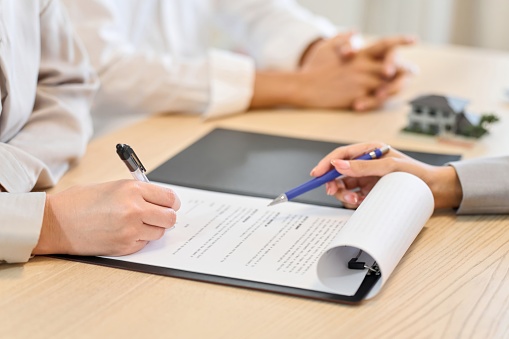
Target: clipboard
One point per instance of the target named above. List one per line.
(256, 164)
(242, 163)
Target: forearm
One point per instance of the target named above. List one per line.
(59, 127)
(275, 88)
(446, 187)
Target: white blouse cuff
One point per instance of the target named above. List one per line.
(21, 217)
(231, 83)
(296, 39)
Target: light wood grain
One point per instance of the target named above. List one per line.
(453, 281)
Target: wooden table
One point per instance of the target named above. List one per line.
(453, 281)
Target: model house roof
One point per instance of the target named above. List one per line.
(440, 102)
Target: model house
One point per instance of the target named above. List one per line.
(438, 114)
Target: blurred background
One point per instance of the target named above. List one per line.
(479, 23)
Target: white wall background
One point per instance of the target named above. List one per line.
(482, 23)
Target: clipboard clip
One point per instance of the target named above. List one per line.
(354, 264)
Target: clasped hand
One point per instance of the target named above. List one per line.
(337, 75)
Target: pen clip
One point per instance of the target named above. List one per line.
(137, 161)
(127, 155)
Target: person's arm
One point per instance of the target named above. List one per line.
(325, 80)
(361, 176)
(115, 218)
(283, 36)
(59, 127)
(145, 81)
(21, 216)
(275, 32)
(485, 185)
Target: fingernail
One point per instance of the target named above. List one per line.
(351, 198)
(381, 93)
(360, 106)
(312, 173)
(328, 189)
(342, 164)
(345, 50)
(390, 70)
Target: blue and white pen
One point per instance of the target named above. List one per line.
(329, 176)
(133, 163)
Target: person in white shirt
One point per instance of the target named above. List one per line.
(156, 56)
(46, 86)
(473, 186)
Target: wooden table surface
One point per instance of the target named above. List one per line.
(452, 282)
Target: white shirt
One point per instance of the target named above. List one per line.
(156, 56)
(47, 86)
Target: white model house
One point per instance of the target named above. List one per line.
(438, 114)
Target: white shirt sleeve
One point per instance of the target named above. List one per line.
(485, 185)
(21, 217)
(274, 32)
(232, 82)
(57, 82)
(58, 129)
(143, 81)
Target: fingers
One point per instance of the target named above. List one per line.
(383, 92)
(372, 66)
(344, 152)
(158, 195)
(391, 162)
(343, 45)
(389, 63)
(382, 46)
(156, 212)
(150, 233)
(369, 102)
(162, 217)
(394, 86)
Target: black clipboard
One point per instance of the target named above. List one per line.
(251, 164)
(259, 165)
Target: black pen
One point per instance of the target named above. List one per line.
(133, 163)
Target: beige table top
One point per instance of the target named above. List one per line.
(453, 281)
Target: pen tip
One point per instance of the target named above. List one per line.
(278, 200)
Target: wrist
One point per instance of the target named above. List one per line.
(277, 88)
(309, 51)
(48, 239)
(446, 188)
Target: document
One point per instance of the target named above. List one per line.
(292, 244)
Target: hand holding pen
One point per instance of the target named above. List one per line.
(134, 165)
(324, 178)
(361, 176)
(112, 218)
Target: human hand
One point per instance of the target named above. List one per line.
(114, 218)
(395, 71)
(362, 175)
(343, 44)
(385, 50)
(333, 75)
